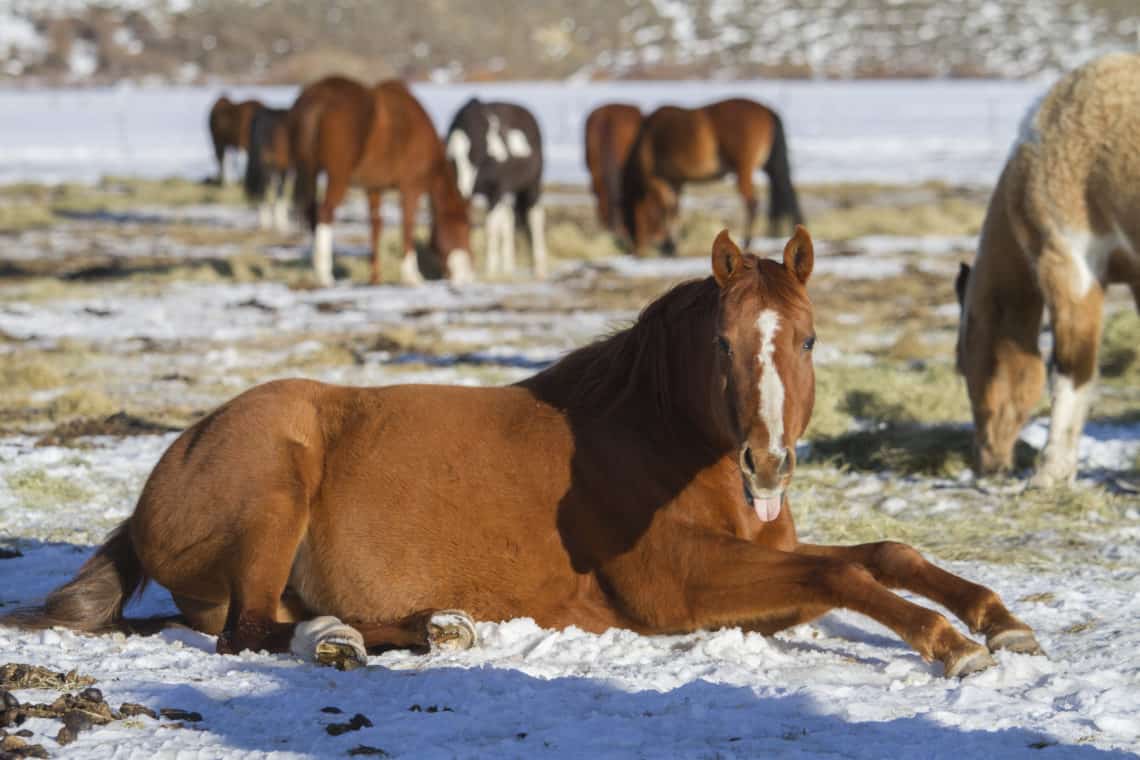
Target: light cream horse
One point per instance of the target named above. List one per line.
(1063, 223)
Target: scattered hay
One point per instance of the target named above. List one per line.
(27, 373)
(80, 402)
(16, 675)
(35, 488)
(948, 216)
(1120, 348)
(120, 424)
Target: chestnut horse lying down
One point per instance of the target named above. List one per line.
(1063, 224)
(229, 128)
(378, 138)
(641, 482)
(679, 145)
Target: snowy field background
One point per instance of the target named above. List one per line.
(907, 131)
(165, 311)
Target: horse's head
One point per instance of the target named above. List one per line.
(764, 340)
(1002, 368)
(647, 206)
(450, 226)
(467, 144)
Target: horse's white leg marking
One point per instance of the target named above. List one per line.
(410, 270)
(496, 148)
(536, 223)
(281, 214)
(1067, 419)
(265, 214)
(328, 641)
(459, 151)
(499, 235)
(508, 236)
(322, 254)
(771, 386)
(459, 264)
(517, 144)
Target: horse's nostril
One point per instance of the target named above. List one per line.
(751, 465)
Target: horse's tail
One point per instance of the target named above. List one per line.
(93, 600)
(303, 127)
(612, 167)
(782, 196)
(256, 175)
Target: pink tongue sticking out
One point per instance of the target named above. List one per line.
(767, 507)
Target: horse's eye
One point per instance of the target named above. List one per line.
(723, 344)
(809, 343)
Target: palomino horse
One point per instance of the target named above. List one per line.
(496, 151)
(679, 145)
(229, 128)
(641, 482)
(378, 138)
(1061, 226)
(610, 133)
(267, 167)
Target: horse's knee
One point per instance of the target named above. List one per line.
(894, 561)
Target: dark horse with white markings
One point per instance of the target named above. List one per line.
(229, 128)
(641, 482)
(267, 168)
(378, 138)
(496, 150)
(611, 131)
(679, 145)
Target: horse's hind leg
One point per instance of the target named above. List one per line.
(1076, 304)
(375, 228)
(748, 196)
(897, 565)
(528, 210)
(409, 265)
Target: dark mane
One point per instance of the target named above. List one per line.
(638, 361)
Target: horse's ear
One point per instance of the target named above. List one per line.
(726, 258)
(799, 254)
(961, 282)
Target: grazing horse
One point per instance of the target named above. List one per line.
(610, 133)
(641, 482)
(679, 145)
(1061, 226)
(267, 167)
(229, 128)
(378, 138)
(496, 150)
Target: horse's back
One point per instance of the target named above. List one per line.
(1076, 167)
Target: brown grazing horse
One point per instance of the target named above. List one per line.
(679, 145)
(641, 483)
(1062, 225)
(610, 133)
(267, 167)
(229, 128)
(343, 133)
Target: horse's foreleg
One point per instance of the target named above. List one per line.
(728, 581)
(409, 267)
(528, 208)
(897, 565)
(376, 226)
(1076, 306)
(280, 205)
(423, 631)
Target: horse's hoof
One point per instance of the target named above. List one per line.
(327, 641)
(451, 631)
(1019, 640)
(340, 654)
(971, 661)
(410, 271)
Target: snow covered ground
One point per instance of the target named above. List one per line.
(959, 131)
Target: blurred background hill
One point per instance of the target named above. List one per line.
(290, 41)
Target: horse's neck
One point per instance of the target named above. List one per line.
(443, 193)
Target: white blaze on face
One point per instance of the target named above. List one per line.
(459, 152)
(496, 147)
(771, 386)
